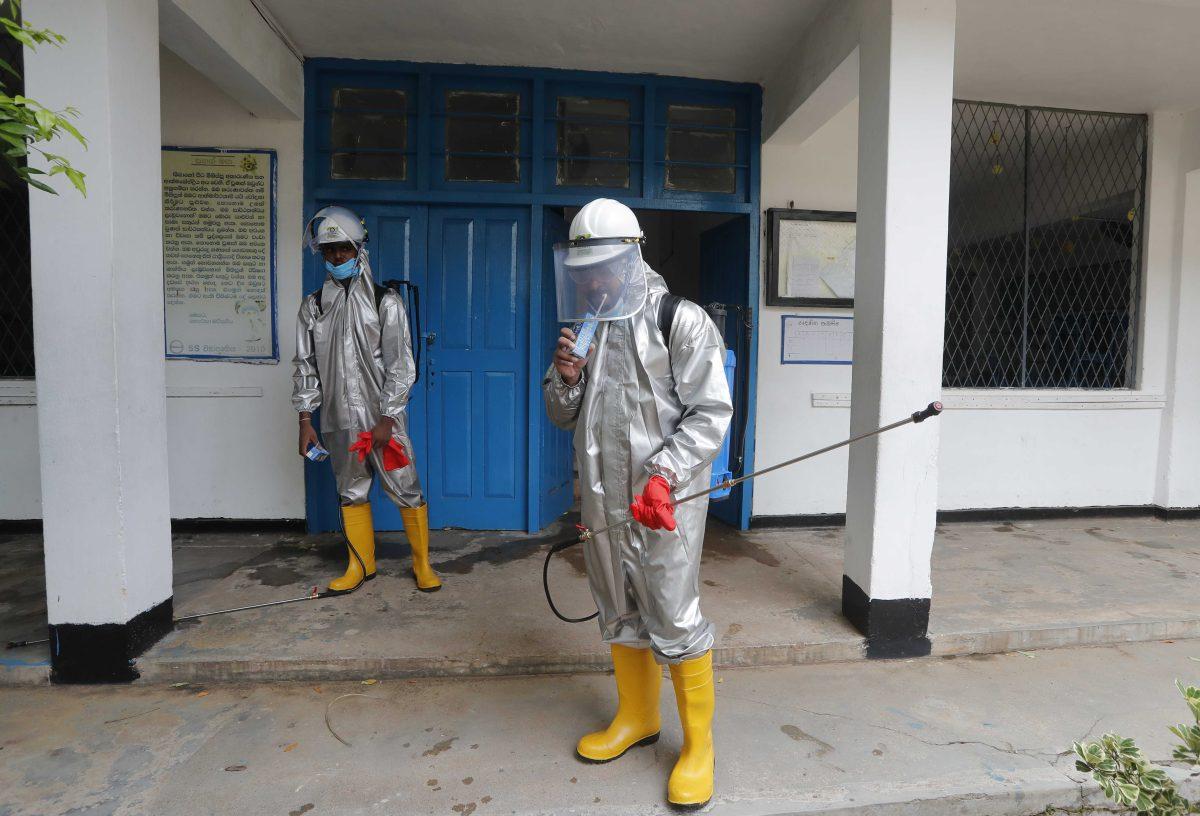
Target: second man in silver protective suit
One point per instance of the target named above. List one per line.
(649, 407)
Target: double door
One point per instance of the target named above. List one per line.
(468, 414)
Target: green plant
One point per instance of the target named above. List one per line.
(1129, 779)
(25, 123)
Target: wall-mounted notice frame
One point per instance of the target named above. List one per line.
(816, 340)
(811, 260)
(219, 254)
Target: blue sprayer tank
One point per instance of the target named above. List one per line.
(720, 465)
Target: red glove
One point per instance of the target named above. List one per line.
(394, 456)
(363, 446)
(653, 508)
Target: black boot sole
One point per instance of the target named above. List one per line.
(333, 593)
(650, 740)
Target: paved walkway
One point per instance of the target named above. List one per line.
(773, 594)
(981, 735)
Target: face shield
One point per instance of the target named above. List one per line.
(599, 279)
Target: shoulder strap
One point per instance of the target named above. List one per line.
(666, 315)
(380, 289)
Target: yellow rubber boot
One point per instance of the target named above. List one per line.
(637, 720)
(691, 782)
(360, 536)
(416, 526)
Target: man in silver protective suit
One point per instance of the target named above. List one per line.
(354, 361)
(649, 406)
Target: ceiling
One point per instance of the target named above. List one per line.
(1117, 55)
(712, 39)
(1132, 56)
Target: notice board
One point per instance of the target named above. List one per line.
(219, 254)
(817, 340)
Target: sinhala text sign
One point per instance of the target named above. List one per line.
(219, 254)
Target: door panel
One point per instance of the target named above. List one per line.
(557, 451)
(724, 258)
(476, 364)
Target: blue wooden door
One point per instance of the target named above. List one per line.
(557, 451)
(724, 259)
(396, 243)
(476, 372)
(398, 252)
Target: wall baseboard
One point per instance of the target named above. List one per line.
(894, 628)
(994, 514)
(188, 525)
(104, 653)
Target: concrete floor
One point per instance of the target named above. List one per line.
(773, 594)
(985, 735)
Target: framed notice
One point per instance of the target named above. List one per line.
(219, 254)
(811, 260)
(817, 340)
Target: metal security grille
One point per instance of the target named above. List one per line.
(1044, 252)
(16, 300)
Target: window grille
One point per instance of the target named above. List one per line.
(593, 142)
(483, 136)
(1044, 250)
(369, 134)
(700, 139)
(16, 298)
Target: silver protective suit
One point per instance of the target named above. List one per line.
(355, 363)
(641, 410)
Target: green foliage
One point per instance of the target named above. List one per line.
(1189, 751)
(1128, 778)
(26, 124)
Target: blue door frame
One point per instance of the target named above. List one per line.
(539, 197)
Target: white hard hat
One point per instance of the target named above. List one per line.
(335, 225)
(602, 218)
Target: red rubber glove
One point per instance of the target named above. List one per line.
(363, 446)
(653, 508)
(394, 456)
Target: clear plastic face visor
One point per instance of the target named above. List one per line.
(599, 278)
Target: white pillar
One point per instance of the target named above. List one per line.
(98, 342)
(1179, 465)
(905, 96)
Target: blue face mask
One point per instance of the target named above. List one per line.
(344, 270)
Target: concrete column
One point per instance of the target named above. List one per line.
(98, 338)
(1179, 461)
(906, 58)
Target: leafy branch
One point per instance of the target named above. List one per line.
(1129, 779)
(26, 124)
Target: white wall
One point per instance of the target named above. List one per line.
(235, 457)
(1008, 454)
(230, 456)
(821, 174)
(20, 477)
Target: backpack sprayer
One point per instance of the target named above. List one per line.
(586, 534)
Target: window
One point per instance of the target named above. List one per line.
(1044, 249)
(593, 142)
(699, 137)
(483, 136)
(369, 134)
(16, 298)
